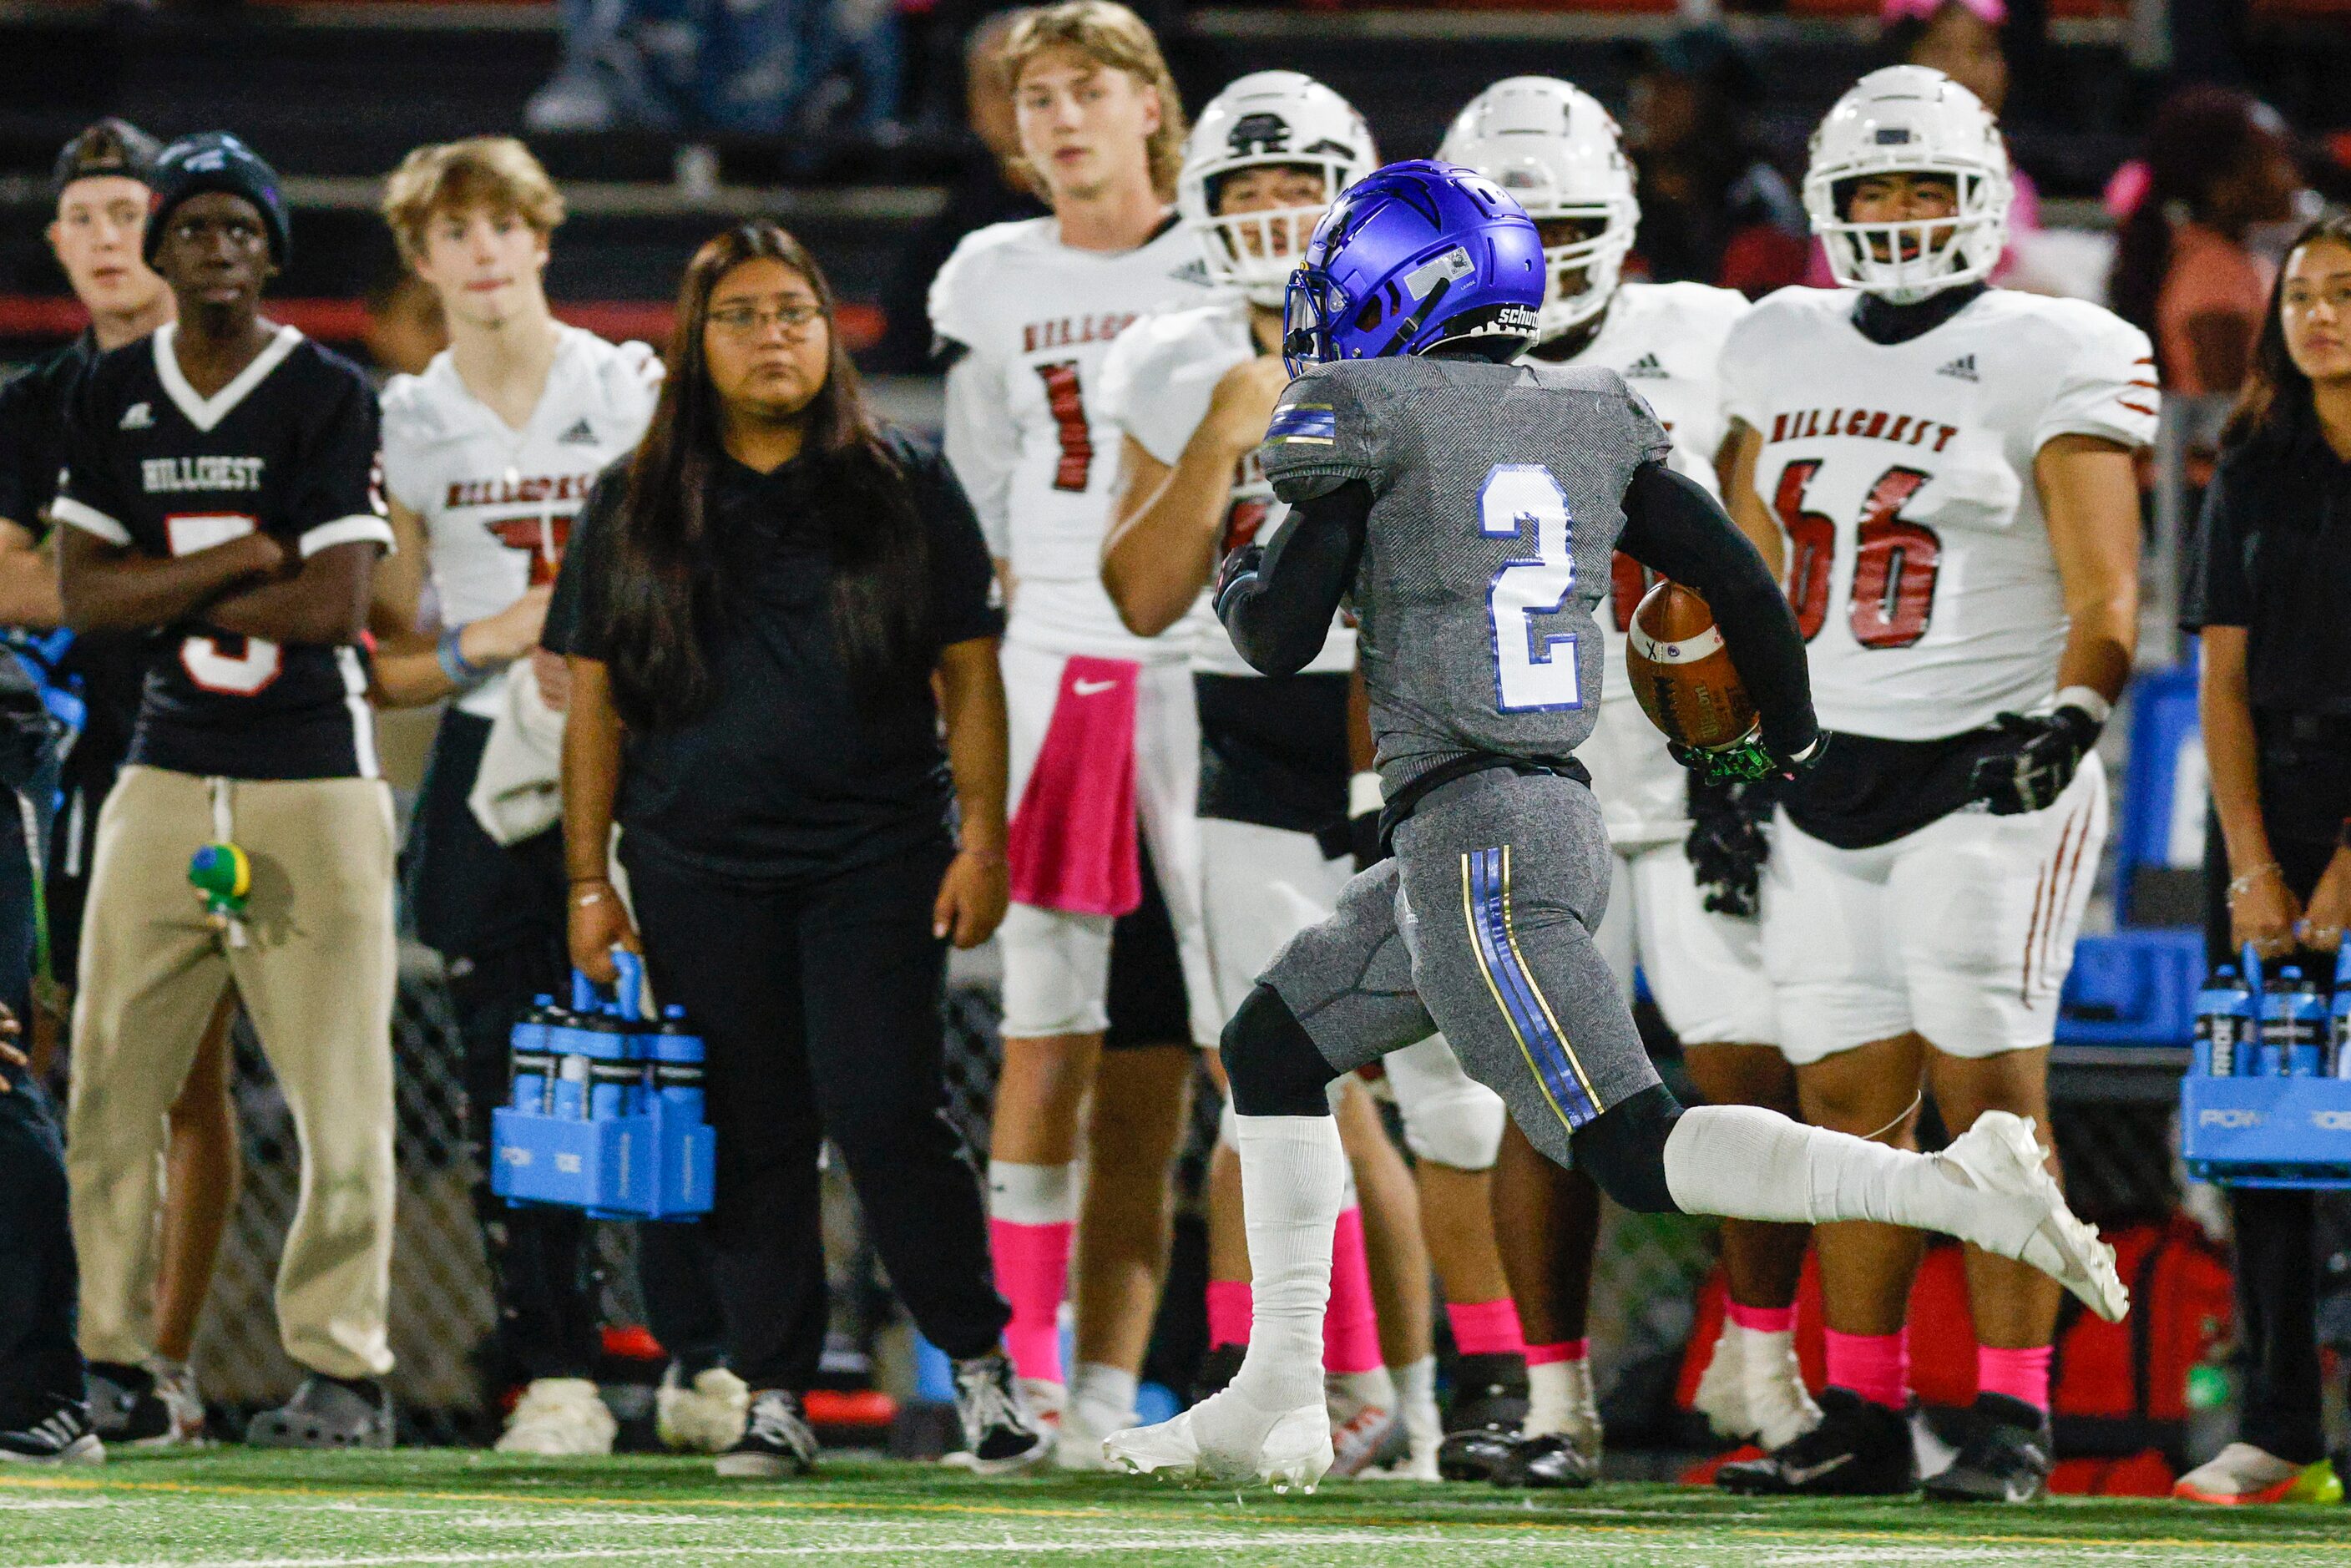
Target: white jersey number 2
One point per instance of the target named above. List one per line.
(1530, 674)
(234, 667)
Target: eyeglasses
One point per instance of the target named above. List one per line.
(743, 320)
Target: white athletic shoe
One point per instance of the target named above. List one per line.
(1227, 1440)
(1360, 1429)
(558, 1416)
(176, 1385)
(706, 1418)
(1078, 1436)
(1045, 1399)
(1777, 1399)
(1721, 1396)
(2001, 1159)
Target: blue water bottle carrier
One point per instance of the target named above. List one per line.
(606, 1111)
(2268, 1099)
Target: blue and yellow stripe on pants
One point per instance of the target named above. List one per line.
(1486, 909)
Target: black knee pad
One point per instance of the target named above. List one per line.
(1623, 1149)
(1271, 1060)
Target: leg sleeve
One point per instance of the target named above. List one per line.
(317, 976)
(1504, 878)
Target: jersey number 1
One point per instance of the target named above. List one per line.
(1530, 676)
(234, 667)
(1066, 401)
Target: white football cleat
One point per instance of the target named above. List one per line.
(1360, 1430)
(1227, 1440)
(558, 1416)
(1077, 1442)
(1721, 1396)
(706, 1418)
(2001, 1159)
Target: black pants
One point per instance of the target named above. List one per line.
(496, 913)
(40, 1366)
(2276, 1228)
(820, 1004)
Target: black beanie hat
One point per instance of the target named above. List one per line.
(216, 161)
(111, 147)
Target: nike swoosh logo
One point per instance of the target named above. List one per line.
(1812, 1473)
(1091, 688)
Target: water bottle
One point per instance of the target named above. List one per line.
(2294, 1024)
(678, 1054)
(2224, 1024)
(2338, 1021)
(533, 1065)
(572, 1089)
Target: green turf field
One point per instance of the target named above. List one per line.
(454, 1507)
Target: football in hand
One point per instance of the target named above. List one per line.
(1682, 672)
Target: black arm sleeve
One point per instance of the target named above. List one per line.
(1280, 614)
(1672, 525)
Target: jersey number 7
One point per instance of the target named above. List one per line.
(1894, 560)
(1529, 677)
(231, 666)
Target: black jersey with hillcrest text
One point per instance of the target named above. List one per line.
(290, 447)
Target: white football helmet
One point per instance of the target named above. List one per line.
(1554, 147)
(1276, 119)
(1909, 120)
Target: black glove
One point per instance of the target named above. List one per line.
(1746, 761)
(1239, 566)
(1726, 846)
(2037, 757)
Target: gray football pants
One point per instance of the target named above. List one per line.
(1482, 927)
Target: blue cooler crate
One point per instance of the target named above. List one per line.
(659, 1166)
(2267, 1131)
(2133, 988)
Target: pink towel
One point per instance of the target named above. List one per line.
(1072, 843)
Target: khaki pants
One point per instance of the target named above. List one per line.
(316, 972)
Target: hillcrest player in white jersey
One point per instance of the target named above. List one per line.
(1192, 391)
(487, 454)
(1558, 151)
(1950, 467)
(1103, 727)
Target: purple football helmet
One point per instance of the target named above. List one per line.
(1411, 256)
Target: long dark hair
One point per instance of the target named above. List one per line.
(2276, 400)
(2201, 135)
(672, 561)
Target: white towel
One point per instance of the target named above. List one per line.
(518, 792)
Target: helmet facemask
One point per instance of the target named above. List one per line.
(1257, 251)
(1583, 271)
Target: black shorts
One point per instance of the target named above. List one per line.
(1146, 1002)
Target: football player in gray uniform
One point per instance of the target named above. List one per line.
(1469, 506)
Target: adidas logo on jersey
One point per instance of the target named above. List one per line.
(580, 434)
(1646, 365)
(138, 416)
(1195, 272)
(1963, 367)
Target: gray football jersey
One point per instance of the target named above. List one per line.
(1497, 496)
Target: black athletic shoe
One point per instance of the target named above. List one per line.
(2006, 1459)
(1217, 1369)
(777, 1440)
(124, 1406)
(999, 1434)
(62, 1435)
(1859, 1450)
(1490, 1405)
(326, 1413)
(1549, 1463)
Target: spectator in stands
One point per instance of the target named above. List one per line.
(2264, 577)
(987, 187)
(2218, 162)
(101, 192)
(762, 599)
(1713, 208)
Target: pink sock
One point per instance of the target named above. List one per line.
(2019, 1374)
(1350, 1330)
(1229, 1313)
(1874, 1365)
(1032, 1270)
(1565, 1350)
(1762, 1319)
(1486, 1328)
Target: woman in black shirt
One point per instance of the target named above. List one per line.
(2265, 584)
(757, 610)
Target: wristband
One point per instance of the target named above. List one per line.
(2087, 699)
(1365, 797)
(454, 662)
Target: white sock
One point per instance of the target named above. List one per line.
(1550, 1391)
(1416, 1391)
(1103, 1397)
(1032, 1195)
(1747, 1162)
(1293, 1172)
